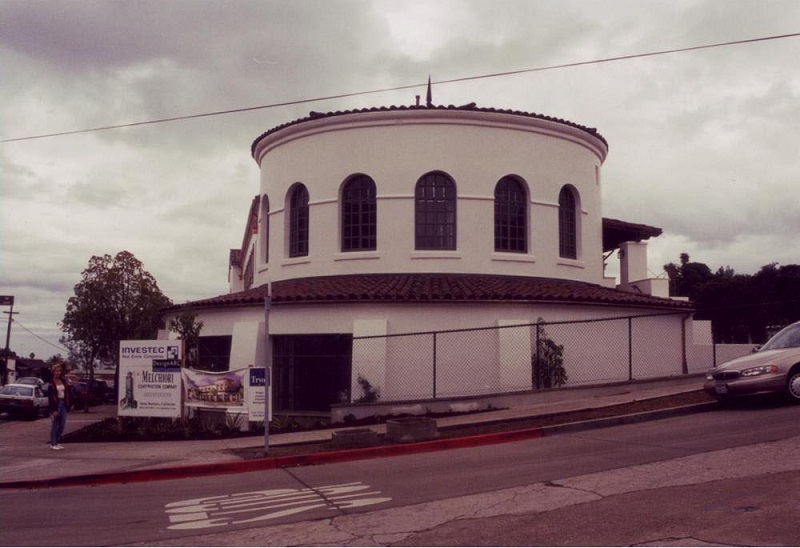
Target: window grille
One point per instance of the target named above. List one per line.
(510, 216)
(298, 222)
(567, 225)
(359, 215)
(435, 212)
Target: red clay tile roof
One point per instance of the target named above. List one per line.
(470, 107)
(436, 288)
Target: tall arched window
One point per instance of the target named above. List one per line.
(359, 214)
(298, 221)
(435, 212)
(265, 228)
(510, 216)
(567, 224)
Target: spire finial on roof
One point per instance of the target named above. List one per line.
(429, 96)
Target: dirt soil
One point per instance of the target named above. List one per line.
(689, 398)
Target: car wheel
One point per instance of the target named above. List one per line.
(793, 385)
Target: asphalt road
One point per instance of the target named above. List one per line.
(420, 499)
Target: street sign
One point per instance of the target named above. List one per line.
(6, 300)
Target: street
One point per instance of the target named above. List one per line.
(728, 476)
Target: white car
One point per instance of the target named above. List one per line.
(23, 399)
(775, 367)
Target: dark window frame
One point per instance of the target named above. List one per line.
(435, 209)
(359, 214)
(214, 352)
(298, 221)
(265, 225)
(510, 216)
(567, 224)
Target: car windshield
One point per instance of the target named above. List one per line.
(788, 337)
(11, 390)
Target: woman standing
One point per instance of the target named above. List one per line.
(59, 399)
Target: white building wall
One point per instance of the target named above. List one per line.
(395, 149)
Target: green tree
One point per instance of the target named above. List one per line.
(116, 299)
(188, 329)
(687, 279)
(747, 309)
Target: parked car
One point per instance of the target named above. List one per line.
(33, 381)
(773, 368)
(80, 391)
(23, 399)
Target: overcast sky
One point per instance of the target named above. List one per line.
(704, 144)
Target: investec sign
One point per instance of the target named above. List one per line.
(150, 381)
(144, 352)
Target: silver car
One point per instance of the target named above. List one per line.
(775, 367)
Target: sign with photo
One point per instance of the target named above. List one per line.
(223, 389)
(149, 379)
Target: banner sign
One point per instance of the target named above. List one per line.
(215, 389)
(6, 300)
(149, 379)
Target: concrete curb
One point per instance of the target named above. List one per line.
(268, 463)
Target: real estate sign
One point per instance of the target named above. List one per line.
(235, 391)
(255, 393)
(215, 389)
(149, 379)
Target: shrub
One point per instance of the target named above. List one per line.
(547, 361)
(370, 394)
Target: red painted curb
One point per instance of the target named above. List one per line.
(269, 463)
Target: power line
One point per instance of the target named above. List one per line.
(17, 323)
(407, 86)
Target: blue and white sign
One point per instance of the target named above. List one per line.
(255, 393)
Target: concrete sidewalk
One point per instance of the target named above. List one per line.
(27, 461)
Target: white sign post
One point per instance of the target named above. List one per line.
(149, 379)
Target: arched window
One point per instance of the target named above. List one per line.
(510, 216)
(298, 221)
(265, 228)
(567, 224)
(435, 212)
(359, 214)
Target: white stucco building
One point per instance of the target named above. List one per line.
(424, 218)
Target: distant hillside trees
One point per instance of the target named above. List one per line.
(742, 308)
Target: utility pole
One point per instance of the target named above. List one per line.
(267, 367)
(7, 300)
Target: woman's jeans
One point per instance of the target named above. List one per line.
(58, 423)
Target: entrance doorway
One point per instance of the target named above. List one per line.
(311, 372)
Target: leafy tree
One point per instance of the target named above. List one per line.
(116, 299)
(188, 329)
(745, 308)
(687, 279)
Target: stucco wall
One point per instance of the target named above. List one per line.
(395, 149)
